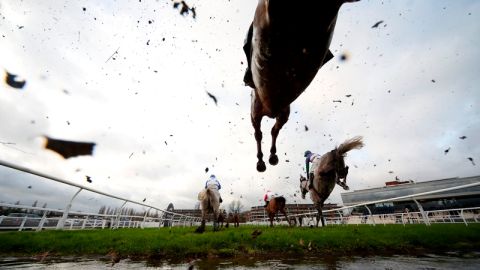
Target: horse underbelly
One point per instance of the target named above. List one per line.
(282, 69)
(278, 86)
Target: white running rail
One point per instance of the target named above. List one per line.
(461, 215)
(81, 220)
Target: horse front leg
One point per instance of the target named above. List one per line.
(215, 225)
(343, 175)
(345, 179)
(320, 215)
(257, 115)
(320, 211)
(281, 119)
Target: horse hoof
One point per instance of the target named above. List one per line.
(261, 166)
(273, 160)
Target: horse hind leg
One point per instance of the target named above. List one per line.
(286, 217)
(281, 119)
(215, 221)
(201, 229)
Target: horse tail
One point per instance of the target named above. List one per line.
(208, 196)
(353, 143)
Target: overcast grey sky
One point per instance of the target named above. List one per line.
(413, 81)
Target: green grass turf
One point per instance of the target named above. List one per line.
(182, 242)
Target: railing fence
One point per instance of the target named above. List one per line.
(70, 219)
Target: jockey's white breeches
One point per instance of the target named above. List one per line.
(315, 164)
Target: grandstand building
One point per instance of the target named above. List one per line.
(461, 198)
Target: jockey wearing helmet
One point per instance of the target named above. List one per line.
(213, 182)
(267, 197)
(310, 157)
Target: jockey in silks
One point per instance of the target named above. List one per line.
(267, 197)
(310, 157)
(213, 183)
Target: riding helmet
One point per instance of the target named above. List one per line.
(307, 153)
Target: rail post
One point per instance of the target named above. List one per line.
(371, 216)
(23, 223)
(424, 216)
(463, 217)
(61, 222)
(185, 220)
(42, 221)
(117, 217)
(160, 220)
(145, 217)
(176, 220)
(84, 222)
(341, 217)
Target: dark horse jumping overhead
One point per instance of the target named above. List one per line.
(287, 43)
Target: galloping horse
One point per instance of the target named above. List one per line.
(329, 170)
(236, 220)
(233, 218)
(222, 217)
(274, 206)
(287, 43)
(209, 203)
